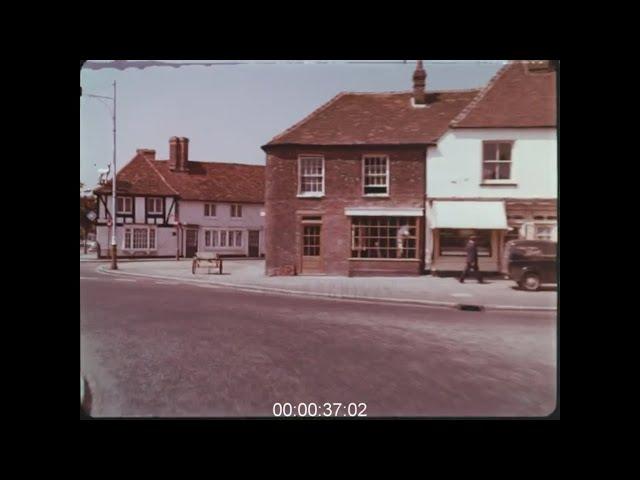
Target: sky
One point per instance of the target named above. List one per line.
(229, 110)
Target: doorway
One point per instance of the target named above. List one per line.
(254, 243)
(311, 249)
(191, 242)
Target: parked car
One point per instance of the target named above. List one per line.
(530, 263)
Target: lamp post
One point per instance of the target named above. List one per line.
(114, 244)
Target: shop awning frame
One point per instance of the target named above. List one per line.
(477, 215)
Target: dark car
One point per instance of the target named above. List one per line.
(530, 263)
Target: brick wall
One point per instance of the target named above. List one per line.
(343, 188)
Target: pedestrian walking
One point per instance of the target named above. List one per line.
(472, 260)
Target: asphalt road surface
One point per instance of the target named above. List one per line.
(158, 348)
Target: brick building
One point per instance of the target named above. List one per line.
(345, 187)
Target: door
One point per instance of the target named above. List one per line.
(254, 243)
(311, 259)
(191, 242)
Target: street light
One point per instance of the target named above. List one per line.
(114, 247)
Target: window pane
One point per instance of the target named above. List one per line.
(223, 238)
(206, 209)
(139, 238)
(489, 151)
(310, 175)
(215, 238)
(384, 237)
(454, 242)
(127, 238)
(207, 238)
(504, 171)
(489, 171)
(505, 151)
(152, 238)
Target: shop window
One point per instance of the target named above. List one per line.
(384, 237)
(454, 242)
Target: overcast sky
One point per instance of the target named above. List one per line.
(228, 111)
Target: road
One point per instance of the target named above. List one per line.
(157, 348)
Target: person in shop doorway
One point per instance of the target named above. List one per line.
(472, 260)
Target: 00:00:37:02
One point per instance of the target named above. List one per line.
(326, 409)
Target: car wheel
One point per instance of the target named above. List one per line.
(531, 282)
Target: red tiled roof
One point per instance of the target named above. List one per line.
(377, 118)
(206, 181)
(515, 97)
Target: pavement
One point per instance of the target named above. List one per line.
(171, 348)
(248, 275)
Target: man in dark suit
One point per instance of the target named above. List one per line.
(472, 260)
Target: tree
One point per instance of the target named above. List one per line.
(87, 204)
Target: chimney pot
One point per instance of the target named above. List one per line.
(419, 83)
(147, 152)
(174, 152)
(184, 154)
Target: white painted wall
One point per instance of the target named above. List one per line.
(166, 242)
(192, 212)
(454, 170)
(454, 166)
(139, 209)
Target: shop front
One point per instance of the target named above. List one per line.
(451, 223)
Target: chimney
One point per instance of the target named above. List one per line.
(183, 148)
(174, 152)
(419, 82)
(147, 152)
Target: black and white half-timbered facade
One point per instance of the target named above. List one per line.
(175, 207)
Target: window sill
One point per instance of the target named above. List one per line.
(319, 195)
(376, 195)
(498, 184)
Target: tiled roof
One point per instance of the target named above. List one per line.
(377, 118)
(205, 181)
(515, 97)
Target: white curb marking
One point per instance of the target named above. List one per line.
(461, 295)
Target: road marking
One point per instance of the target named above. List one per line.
(166, 283)
(125, 280)
(91, 278)
(461, 295)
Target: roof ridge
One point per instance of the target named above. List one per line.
(308, 117)
(472, 104)
(396, 92)
(153, 167)
(219, 163)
